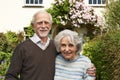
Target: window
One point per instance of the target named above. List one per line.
(33, 2)
(97, 2)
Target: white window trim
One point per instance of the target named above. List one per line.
(96, 4)
(33, 5)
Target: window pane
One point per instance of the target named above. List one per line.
(103, 1)
(90, 1)
(36, 1)
(99, 1)
(27, 1)
(40, 1)
(31, 1)
(94, 1)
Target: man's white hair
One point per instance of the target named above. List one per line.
(44, 12)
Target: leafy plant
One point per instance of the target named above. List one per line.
(28, 31)
(112, 15)
(104, 51)
(8, 42)
(75, 15)
(74, 12)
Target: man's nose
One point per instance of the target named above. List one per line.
(43, 24)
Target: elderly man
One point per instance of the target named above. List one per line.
(34, 58)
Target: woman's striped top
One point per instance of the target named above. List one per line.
(72, 70)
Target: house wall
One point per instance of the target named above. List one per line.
(14, 16)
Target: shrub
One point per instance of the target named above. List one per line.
(112, 14)
(8, 42)
(104, 51)
(28, 31)
(76, 15)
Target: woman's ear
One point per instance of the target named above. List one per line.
(79, 47)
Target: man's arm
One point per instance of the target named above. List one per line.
(15, 65)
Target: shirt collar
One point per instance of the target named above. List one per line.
(36, 39)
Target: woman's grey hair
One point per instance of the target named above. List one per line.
(75, 39)
(44, 12)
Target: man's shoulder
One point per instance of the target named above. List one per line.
(24, 43)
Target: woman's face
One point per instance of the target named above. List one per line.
(68, 49)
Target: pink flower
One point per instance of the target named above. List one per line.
(79, 14)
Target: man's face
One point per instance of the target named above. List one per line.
(42, 24)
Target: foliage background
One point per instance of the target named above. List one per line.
(8, 42)
(104, 50)
(74, 14)
(112, 15)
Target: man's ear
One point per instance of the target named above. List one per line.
(51, 26)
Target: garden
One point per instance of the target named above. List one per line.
(101, 38)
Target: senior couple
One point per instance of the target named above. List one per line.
(40, 58)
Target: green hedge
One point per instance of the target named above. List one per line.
(8, 42)
(104, 51)
(112, 14)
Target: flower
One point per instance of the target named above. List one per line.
(74, 12)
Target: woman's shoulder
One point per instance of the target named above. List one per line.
(85, 58)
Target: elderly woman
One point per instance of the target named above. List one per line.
(70, 64)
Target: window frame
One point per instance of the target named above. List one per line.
(97, 4)
(34, 4)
